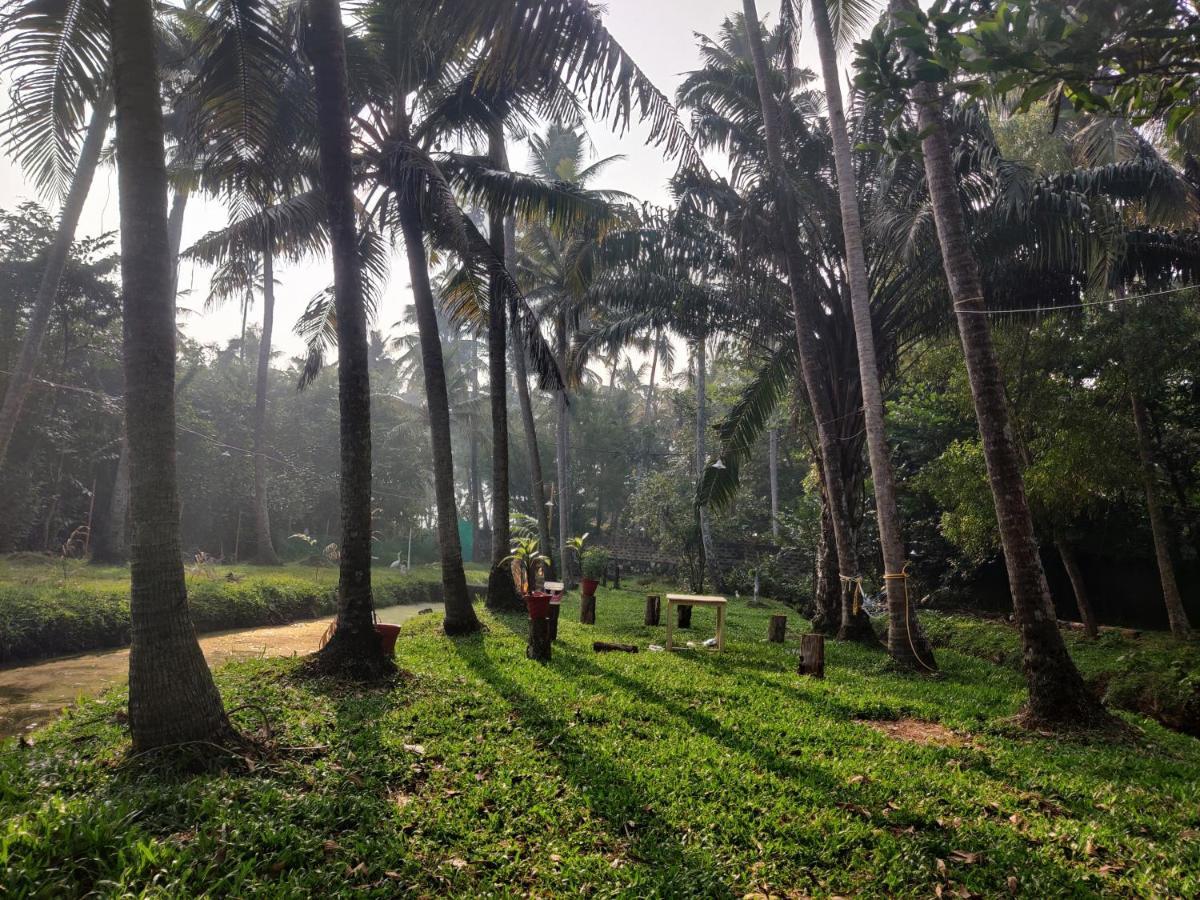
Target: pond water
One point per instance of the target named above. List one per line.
(34, 693)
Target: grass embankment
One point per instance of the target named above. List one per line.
(1151, 673)
(692, 774)
(48, 609)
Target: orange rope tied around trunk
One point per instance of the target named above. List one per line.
(903, 573)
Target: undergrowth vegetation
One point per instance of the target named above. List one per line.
(48, 608)
(1146, 672)
(648, 774)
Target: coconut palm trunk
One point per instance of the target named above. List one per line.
(1176, 615)
(1057, 692)
(56, 263)
(265, 553)
(1083, 603)
(172, 697)
(536, 479)
(460, 614)
(711, 563)
(354, 647)
(773, 478)
(562, 456)
(502, 593)
(855, 625)
(905, 642)
(110, 544)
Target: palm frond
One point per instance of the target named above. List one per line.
(57, 60)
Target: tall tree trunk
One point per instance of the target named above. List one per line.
(265, 555)
(110, 544)
(773, 477)
(172, 697)
(653, 372)
(711, 563)
(1075, 573)
(502, 593)
(905, 641)
(57, 257)
(1176, 614)
(541, 512)
(827, 595)
(855, 625)
(562, 446)
(1057, 693)
(354, 648)
(460, 614)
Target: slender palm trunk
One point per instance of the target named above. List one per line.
(502, 593)
(1057, 693)
(854, 625)
(905, 642)
(354, 647)
(653, 372)
(827, 595)
(460, 614)
(110, 545)
(562, 446)
(711, 564)
(1083, 602)
(172, 697)
(1176, 614)
(57, 257)
(536, 479)
(265, 555)
(773, 477)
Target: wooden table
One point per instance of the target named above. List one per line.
(696, 600)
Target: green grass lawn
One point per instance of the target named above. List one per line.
(480, 773)
(48, 608)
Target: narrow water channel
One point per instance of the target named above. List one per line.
(33, 694)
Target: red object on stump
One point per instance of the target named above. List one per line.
(387, 637)
(538, 604)
(587, 586)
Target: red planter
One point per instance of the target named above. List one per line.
(538, 604)
(387, 636)
(588, 586)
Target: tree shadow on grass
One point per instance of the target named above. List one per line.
(702, 723)
(672, 868)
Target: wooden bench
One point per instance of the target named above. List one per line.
(696, 600)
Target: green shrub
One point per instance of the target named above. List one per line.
(594, 563)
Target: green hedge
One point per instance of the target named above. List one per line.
(41, 620)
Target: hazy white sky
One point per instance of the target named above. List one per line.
(659, 34)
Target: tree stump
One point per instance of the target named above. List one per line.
(685, 616)
(555, 610)
(653, 609)
(539, 640)
(777, 630)
(812, 655)
(616, 576)
(587, 609)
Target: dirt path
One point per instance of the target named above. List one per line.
(33, 694)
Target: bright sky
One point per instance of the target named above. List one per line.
(659, 34)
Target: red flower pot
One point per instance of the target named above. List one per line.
(588, 586)
(538, 604)
(387, 636)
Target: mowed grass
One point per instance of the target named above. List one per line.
(481, 773)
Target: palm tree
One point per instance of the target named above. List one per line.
(354, 646)
(852, 625)
(1057, 692)
(172, 697)
(901, 644)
